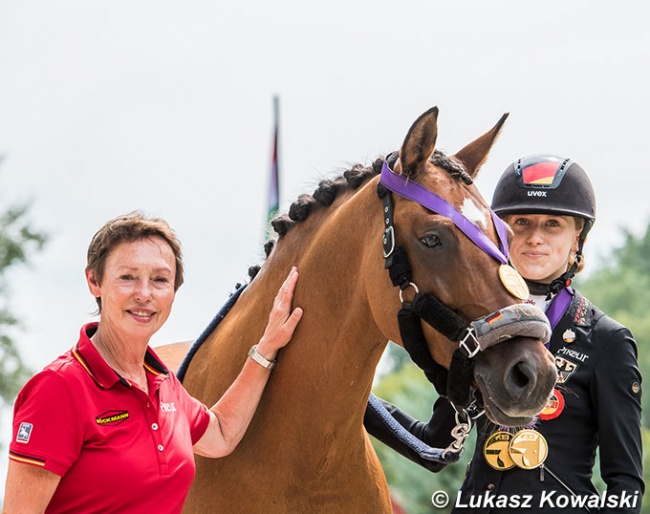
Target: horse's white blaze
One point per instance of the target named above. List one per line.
(472, 212)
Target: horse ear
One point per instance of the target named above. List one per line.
(474, 154)
(419, 143)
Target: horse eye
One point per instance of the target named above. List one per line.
(431, 241)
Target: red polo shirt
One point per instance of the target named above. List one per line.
(115, 448)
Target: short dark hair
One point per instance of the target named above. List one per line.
(128, 228)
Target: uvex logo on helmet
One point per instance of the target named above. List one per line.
(537, 193)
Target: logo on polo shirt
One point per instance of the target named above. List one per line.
(24, 432)
(167, 407)
(112, 417)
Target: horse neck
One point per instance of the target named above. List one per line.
(337, 343)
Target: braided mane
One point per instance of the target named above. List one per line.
(329, 189)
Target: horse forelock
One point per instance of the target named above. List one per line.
(452, 166)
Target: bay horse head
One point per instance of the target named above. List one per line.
(306, 449)
(441, 237)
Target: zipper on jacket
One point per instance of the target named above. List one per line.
(560, 481)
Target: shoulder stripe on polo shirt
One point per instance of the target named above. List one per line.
(153, 370)
(154, 366)
(84, 365)
(17, 457)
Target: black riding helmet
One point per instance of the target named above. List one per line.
(548, 184)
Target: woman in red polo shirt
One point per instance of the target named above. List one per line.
(106, 427)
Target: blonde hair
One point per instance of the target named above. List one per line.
(580, 223)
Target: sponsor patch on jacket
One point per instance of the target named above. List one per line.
(112, 417)
(24, 432)
(565, 369)
(579, 356)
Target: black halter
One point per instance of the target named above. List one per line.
(424, 306)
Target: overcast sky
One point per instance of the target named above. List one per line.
(107, 107)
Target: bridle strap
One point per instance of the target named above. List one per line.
(410, 328)
(423, 307)
(415, 192)
(439, 316)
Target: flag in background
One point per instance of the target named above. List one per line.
(274, 182)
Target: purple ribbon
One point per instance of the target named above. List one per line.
(415, 192)
(559, 306)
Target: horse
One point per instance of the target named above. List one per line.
(306, 450)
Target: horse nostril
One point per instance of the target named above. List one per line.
(520, 379)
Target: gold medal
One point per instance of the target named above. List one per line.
(513, 282)
(495, 451)
(528, 449)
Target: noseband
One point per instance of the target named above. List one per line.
(472, 337)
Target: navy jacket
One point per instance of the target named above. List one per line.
(600, 382)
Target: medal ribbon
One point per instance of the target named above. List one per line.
(558, 307)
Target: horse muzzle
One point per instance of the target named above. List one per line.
(516, 379)
(503, 355)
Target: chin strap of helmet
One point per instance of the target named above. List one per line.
(565, 279)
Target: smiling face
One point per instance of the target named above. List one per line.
(136, 289)
(542, 244)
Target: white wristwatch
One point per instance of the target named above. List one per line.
(260, 359)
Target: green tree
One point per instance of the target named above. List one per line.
(17, 240)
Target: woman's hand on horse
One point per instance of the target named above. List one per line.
(282, 320)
